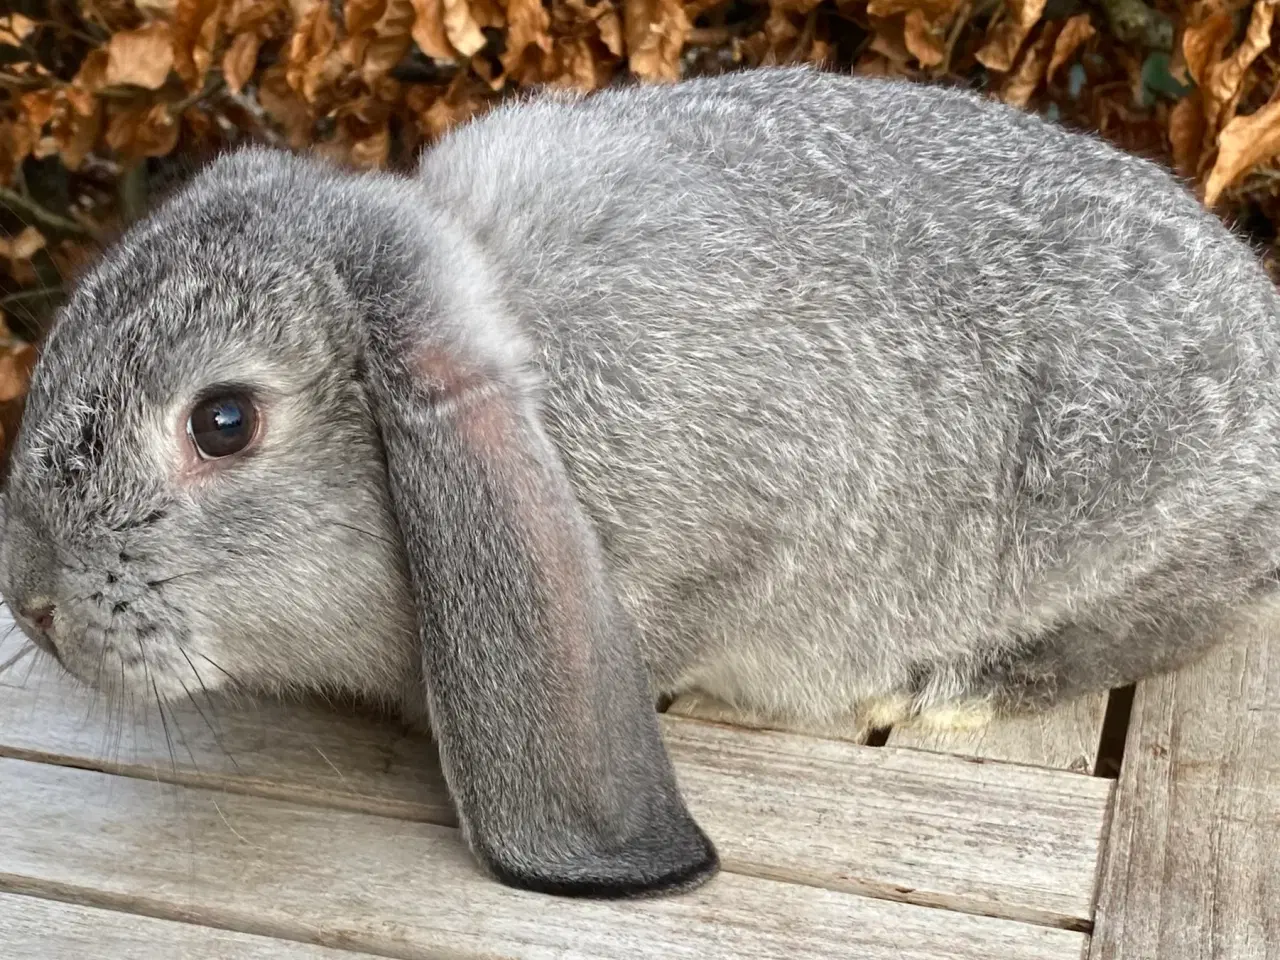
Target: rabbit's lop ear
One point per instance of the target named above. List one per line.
(546, 728)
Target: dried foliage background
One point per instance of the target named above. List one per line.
(105, 103)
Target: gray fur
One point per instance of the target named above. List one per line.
(795, 389)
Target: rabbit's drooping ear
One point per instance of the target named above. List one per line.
(546, 728)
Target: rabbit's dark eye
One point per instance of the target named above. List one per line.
(222, 425)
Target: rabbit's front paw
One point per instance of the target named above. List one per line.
(956, 715)
(709, 709)
(853, 726)
(880, 713)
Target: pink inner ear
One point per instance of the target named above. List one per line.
(489, 424)
(491, 427)
(483, 416)
(445, 375)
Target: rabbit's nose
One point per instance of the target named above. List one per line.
(37, 623)
(40, 617)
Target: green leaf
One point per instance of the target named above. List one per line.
(1157, 80)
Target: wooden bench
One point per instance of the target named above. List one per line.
(297, 832)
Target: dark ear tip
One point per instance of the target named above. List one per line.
(629, 875)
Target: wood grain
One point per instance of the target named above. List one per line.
(292, 751)
(983, 838)
(1193, 866)
(1065, 738)
(997, 839)
(32, 928)
(409, 890)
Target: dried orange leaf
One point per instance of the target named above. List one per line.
(890, 42)
(370, 153)
(1026, 12)
(267, 18)
(489, 13)
(822, 53)
(781, 33)
(924, 44)
(1005, 39)
(527, 26)
(16, 142)
(933, 11)
(16, 364)
(283, 105)
(794, 6)
(362, 138)
(1186, 134)
(76, 125)
(1001, 47)
(578, 67)
(1223, 80)
(1075, 32)
(1025, 80)
(872, 64)
(1203, 43)
(1244, 143)
(38, 108)
(80, 101)
(140, 58)
(240, 59)
(314, 63)
(195, 33)
(138, 132)
(156, 8)
(436, 113)
(72, 258)
(23, 246)
(92, 75)
(14, 29)
(655, 33)
(428, 30)
(610, 26)
(389, 40)
(360, 15)
(461, 28)
(10, 422)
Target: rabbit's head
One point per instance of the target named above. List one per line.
(283, 438)
(197, 497)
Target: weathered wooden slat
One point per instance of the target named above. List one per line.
(32, 928)
(404, 889)
(1065, 738)
(999, 839)
(986, 838)
(1193, 865)
(291, 751)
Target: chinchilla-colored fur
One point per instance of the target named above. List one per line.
(798, 390)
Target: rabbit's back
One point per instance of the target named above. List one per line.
(865, 374)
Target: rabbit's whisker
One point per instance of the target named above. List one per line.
(177, 725)
(164, 722)
(368, 533)
(102, 659)
(96, 686)
(177, 576)
(213, 730)
(199, 679)
(215, 666)
(17, 657)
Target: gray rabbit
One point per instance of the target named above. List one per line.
(834, 400)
